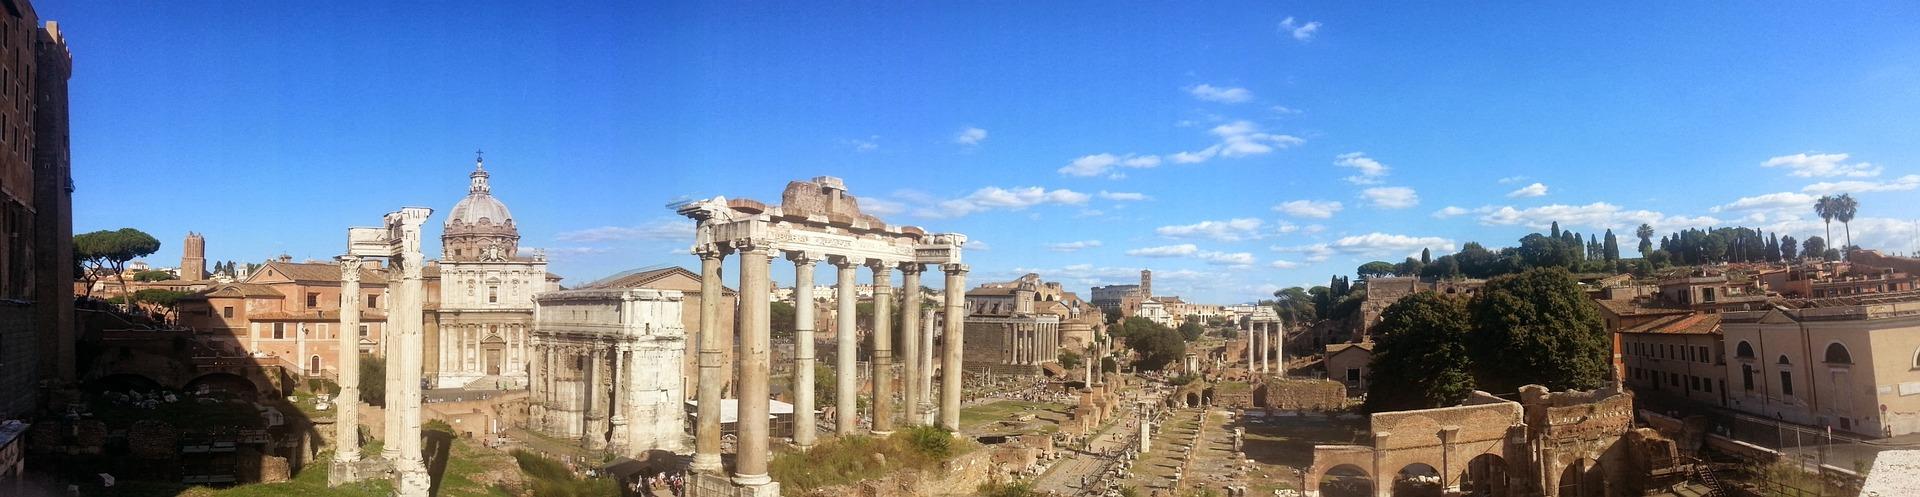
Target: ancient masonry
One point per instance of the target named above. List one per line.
(1266, 337)
(399, 242)
(606, 369)
(817, 220)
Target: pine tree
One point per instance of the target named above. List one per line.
(1610, 246)
(1420, 357)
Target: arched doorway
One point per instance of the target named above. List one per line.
(1486, 476)
(1346, 480)
(313, 365)
(1193, 399)
(1417, 480)
(1583, 478)
(493, 353)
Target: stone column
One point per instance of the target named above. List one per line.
(1086, 357)
(1252, 353)
(300, 361)
(882, 347)
(925, 380)
(593, 424)
(616, 402)
(346, 422)
(910, 341)
(804, 431)
(1265, 342)
(846, 372)
(952, 345)
(1280, 347)
(750, 464)
(706, 443)
(408, 318)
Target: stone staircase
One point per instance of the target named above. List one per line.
(494, 382)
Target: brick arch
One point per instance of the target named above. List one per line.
(1327, 457)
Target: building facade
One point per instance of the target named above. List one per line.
(288, 311)
(485, 314)
(1852, 363)
(1005, 335)
(36, 218)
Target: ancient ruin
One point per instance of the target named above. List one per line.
(816, 221)
(1262, 328)
(606, 369)
(399, 243)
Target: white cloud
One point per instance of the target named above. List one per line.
(1097, 164)
(1284, 110)
(1391, 197)
(881, 207)
(994, 197)
(870, 144)
(1226, 259)
(1597, 215)
(660, 229)
(1370, 170)
(970, 136)
(978, 245)
(1243, 138)
(1283, 264)
(1284, 227)
(1123, 196)
(1374, 244)
(1823, 166)
(1449, 211)
(1781, 201)
(1074, 246)
(1301, 32)
(1313, 229)
(1222, 94)
(1533, 190)
(1900, 184)
(1181, 250)
(1231, 230)
(1880, 233)
(1317, 209)
(1194, 157)
(1512, 179)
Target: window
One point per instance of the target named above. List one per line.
(373, 301)
(226, 312)
(1786, 383)
(1704, 354)
(1353, 374)
(493, 294)
(1693, 382)
(363, 331)
(1837, 354)
(1783, 360)
(1743, 351)
(313, 299)
(1673, 379)
(1708, 384)
(279, 330)
(1707, 294)
(1746, 377)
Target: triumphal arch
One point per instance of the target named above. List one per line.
(816, 221)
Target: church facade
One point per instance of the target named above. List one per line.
(485, 309)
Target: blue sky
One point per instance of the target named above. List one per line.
(1207, 141)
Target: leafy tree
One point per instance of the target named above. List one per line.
(1191, 330)
(780, 319)
(167, 300)
(1659, 258)
(1645, 232)
(145, 276)
(1446, 267)
(1542, 251)
(1420, 357)
(1426, 256)
(1158, 346)
(373, 380)
(1814, 247)
(1294, 304)
(1844, 207)
(1409, 267)
(1610, 246)
(1070, 359)
(1827, 207)
(108, 251)
(1374, 269)
(1832, 254)
(1789, 248)
(1537, 327)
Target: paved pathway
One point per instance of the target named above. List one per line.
(1065, 477)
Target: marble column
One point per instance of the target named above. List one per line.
(846, 372)
(1252, 352)
(926, 366)
(910, 341)
(1086, 357)
(882, 347)
(706, 442)
(750, 464)
(804, 431)
(594, 425)
(617, 401)
(300, 360)
(952, 345)
(408, 317)
(1266, 342)
(346, 423)
(1280, 345)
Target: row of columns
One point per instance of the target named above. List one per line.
(603, 363)
(403, 348)
(750, 468)
(1031, 343)
(1262, 338)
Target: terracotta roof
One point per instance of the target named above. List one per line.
(1690, 324)
(315, 315)
(321, 272)
(1340, 347)
(237, 290)
(1630, 308)
(992, 291)
(640, 278)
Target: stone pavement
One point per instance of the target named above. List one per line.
(1066, 476)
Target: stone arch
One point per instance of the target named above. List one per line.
(1193, 398)
(1744, 350)
(1345, 480)
(230, 382)
(1485, 476)
(1583, 478)
(1837, 354)
(1417, 480)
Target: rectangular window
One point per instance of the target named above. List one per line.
(1353, 374)
(1693, 382)
(226, 312)
(1704, 355)
(1746, 377)
(1708, 294)
(493, 294)
(373, 301)
(1708, 385)
(1786, 383)
(1673, 379)
(279, 331)
(363, 331)
(313, 299)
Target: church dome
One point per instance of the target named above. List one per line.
(479, 207)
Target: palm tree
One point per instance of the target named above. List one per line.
(1844, 207)
(1826, 208)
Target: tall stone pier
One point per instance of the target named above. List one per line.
(346, 424)
(817, 221)
(399, 242)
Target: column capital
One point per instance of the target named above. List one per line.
(754, 246)
(881, 270)
(804, 259)
(349, 267)
(912, 267)
(711, 251)
(844, 262)
(955, 268)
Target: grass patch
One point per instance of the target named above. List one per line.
(549, 478)
(972, 419)
(851, 459)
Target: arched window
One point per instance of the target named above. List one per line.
(1783, 360)
(1837, 354)
(1744, 351)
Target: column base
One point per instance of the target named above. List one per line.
(708, 485)
(879, 433)
(706, 463)
(752, 480)
(341, 472)
(412, 480)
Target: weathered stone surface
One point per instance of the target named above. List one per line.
(1302, 395)
(153, 440)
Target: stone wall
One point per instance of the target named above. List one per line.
(19, 368)
(1301, 395)
(961, 476)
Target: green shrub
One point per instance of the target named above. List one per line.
(1007, 490)
(437, 425)
(931, 441)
